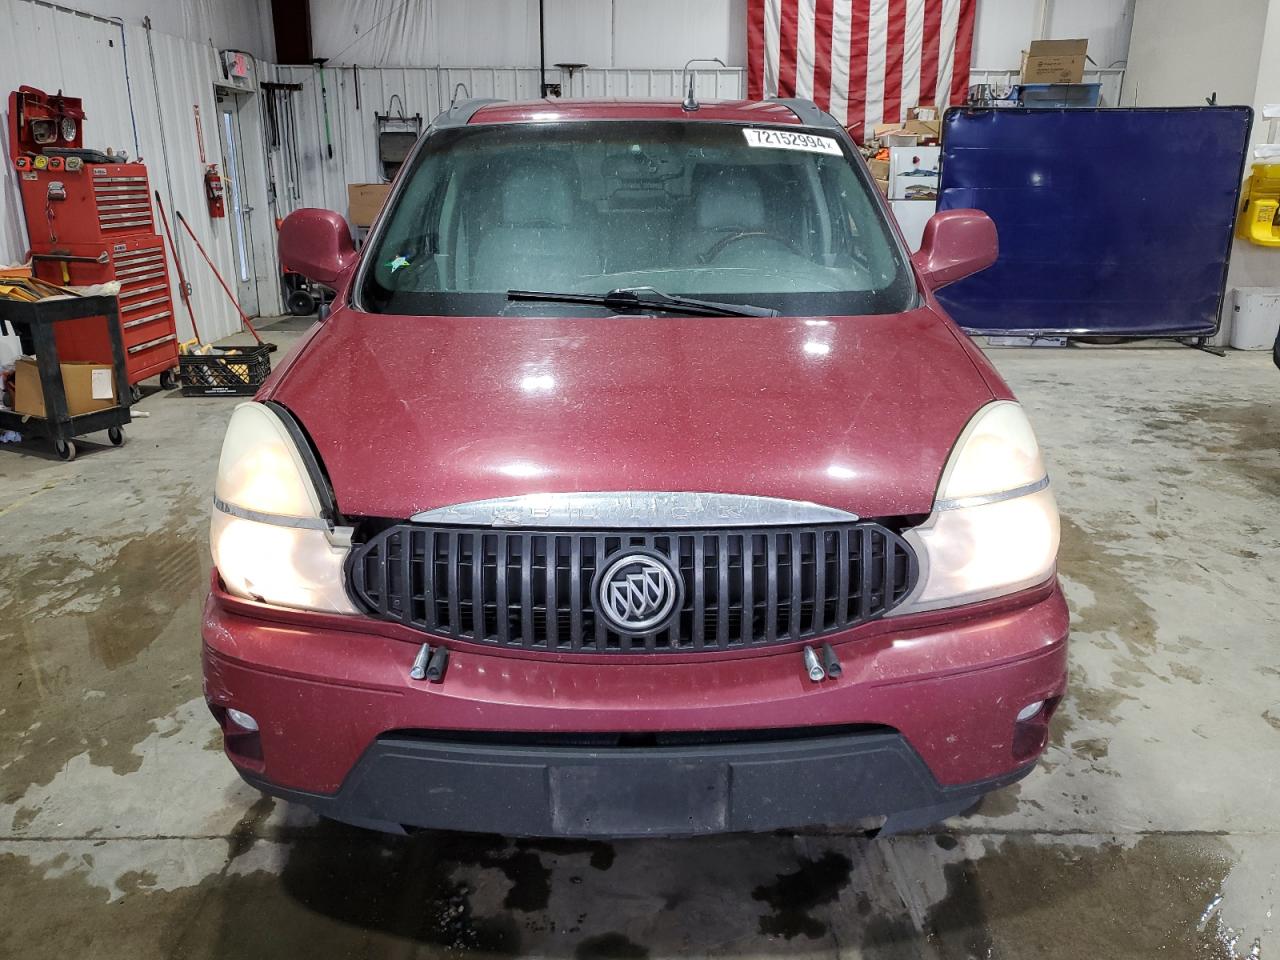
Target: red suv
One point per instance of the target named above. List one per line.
(636, 485)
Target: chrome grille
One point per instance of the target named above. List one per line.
(743, 588)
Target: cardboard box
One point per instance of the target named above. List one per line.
(88, 386)
(925, 111)
(1054, 61)
(364, 200)
(900, 134)
(883, 186)
(879, 169)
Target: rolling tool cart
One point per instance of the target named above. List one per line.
(145, 307)
(35, 325)
(90, 221)
(104, 230)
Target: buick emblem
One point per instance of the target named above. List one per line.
(637, 592)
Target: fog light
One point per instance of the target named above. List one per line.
(1026, 713)
(246, 722)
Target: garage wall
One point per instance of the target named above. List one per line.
(106, 64)
(235, 24)
(1005, 27)
(1251, 265)
(631, 34)
(652, 33)
(428, 91)
(1185, 50)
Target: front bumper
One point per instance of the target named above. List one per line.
(919, 726)
(543, 791)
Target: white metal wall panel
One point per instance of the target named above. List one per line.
(50, 49)
(428, 91)
(238, 24)
(669, 32)
(186, 72)
(601, 33)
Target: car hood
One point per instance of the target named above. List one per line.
(414, 413)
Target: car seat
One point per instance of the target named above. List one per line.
(537, 240)
(727, 201)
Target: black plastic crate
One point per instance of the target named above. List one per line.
(224, 371)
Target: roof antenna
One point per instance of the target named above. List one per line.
(690, 101)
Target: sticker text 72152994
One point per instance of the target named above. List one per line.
(791, 140)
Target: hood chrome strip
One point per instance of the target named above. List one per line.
(641, 509)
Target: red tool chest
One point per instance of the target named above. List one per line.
(146, 310)
(102, 201)
(94, 224)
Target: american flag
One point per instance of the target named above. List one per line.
(864, 61)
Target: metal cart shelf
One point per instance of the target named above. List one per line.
(34, 323)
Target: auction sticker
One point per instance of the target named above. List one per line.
(791, 140)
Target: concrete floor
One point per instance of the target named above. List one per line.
(1151, 829)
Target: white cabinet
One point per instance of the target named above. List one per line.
(913, 173)
(912, 215)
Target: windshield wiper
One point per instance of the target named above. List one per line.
(627, 299)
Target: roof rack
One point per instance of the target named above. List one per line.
(808, 112)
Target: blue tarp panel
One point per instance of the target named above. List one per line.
(1113, 222)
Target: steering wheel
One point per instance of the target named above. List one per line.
(719, 246)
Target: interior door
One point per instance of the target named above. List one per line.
(239, 209)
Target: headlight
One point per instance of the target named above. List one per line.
(994, 527)
(270, 535)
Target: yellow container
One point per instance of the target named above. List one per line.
(1260, 202)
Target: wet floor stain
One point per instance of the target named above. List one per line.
(1117, 608)
(22, 818)
(99, 635)
(1000, 803)
(1185, 671)
(245, 832)
(1110, 900)
(794, 896)
(530, 879)
(50, 911)
(343, 892)
(601, 853)
(609, 946)
(1094, 748)
(1241, 439)
(354, 883)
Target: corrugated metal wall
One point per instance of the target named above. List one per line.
(105, 63)
(322, 182)
(609, 34)
(49, 49)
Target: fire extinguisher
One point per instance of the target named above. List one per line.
(213, 192)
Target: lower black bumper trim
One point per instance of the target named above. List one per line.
(405, 782)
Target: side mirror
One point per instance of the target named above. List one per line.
(317, 244)
(956, 244)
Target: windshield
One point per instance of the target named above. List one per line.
(774, 218)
